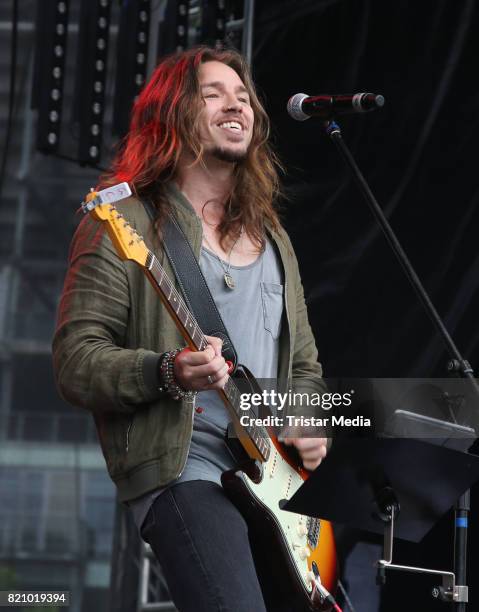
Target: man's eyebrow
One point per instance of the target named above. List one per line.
(220, 85)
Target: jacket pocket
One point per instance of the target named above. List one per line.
(272, 298)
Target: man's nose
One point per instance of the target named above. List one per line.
(232, 103)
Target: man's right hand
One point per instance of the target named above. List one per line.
(202, 370)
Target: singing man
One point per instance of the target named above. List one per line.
(197, 150)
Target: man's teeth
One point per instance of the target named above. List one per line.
(231, 124)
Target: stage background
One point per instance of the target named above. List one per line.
(419, 155)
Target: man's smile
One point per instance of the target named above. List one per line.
(231, 125)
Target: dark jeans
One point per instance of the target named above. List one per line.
(201, 542)
(358, 551)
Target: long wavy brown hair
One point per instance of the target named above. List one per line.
(165, 122)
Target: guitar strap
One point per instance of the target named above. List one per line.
(193, 285)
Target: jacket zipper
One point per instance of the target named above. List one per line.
(130, 425)
(128, 434)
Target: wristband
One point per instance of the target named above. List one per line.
(167, 377)
(160, 372)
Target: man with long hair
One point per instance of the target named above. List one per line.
(197, 150)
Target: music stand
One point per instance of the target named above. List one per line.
(396, 487)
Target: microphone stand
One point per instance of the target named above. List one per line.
(458, 593)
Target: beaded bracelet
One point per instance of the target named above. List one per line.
(167, 377)
(161, 371)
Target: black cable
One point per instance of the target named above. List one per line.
(346, 596)
(11, 95)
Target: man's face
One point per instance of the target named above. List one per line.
(226, 122)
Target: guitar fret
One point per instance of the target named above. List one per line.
(257, 434)
(185, 316)
(230, 392)
(191, 324)
(150, 260)
(202, 343)
(192, 328)
(184, 312)
(122, 233)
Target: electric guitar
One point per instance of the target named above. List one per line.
(298, 550)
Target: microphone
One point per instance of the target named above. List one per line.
(302, 107)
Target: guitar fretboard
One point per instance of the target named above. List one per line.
(189, 327)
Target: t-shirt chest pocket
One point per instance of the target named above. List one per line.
(272, 299)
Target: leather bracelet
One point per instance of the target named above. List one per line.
(167, 377)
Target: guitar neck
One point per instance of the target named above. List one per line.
(192, 333)
(184, 318)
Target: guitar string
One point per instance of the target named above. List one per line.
(261, 437)
(257, 433)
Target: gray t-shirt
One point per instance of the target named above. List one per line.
(252, 314)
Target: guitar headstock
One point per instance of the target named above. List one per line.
(126, 240)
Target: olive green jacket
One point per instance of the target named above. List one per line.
(111, 329)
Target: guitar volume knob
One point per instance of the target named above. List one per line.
(304, 553)
(310, 577)
(301, 529)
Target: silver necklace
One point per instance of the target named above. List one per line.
(228, 279)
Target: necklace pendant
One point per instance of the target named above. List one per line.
(229, 281)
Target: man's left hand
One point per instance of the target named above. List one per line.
(311, 450)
